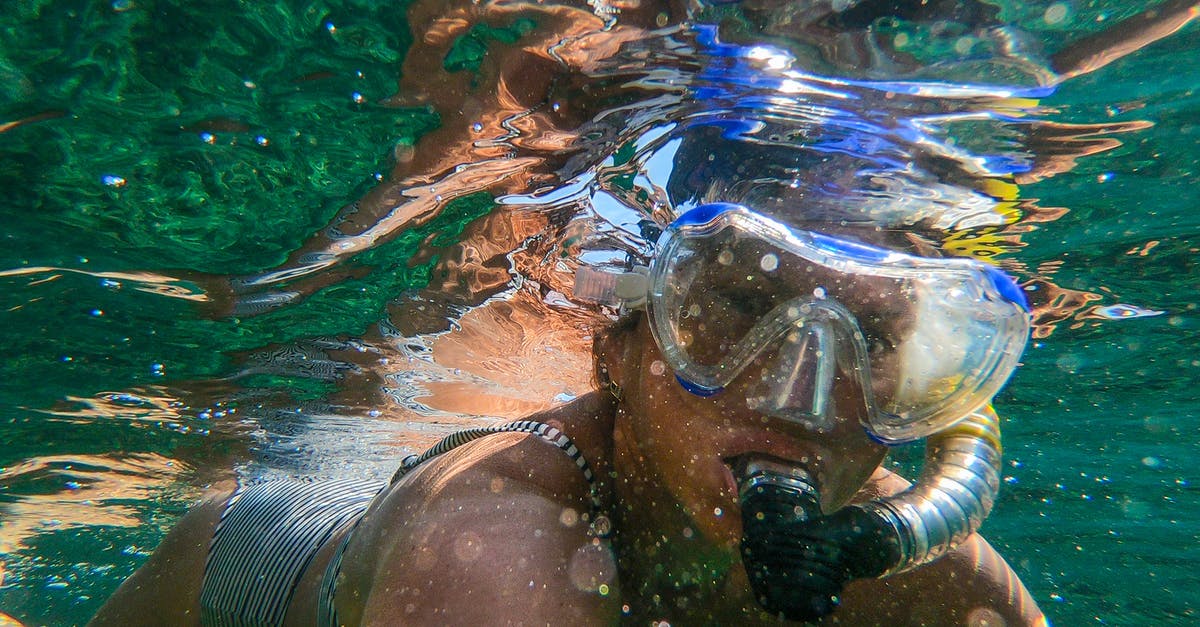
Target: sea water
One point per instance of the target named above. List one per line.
(151, 151)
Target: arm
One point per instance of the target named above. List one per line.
(490, 533)
(1096, 51)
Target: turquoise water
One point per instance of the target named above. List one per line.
(166, 147)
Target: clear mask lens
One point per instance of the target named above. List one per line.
(927, 340)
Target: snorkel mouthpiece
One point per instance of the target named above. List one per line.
(797, 559)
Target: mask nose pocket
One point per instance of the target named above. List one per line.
(796, 382)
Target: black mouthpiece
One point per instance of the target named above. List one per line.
(798, 560)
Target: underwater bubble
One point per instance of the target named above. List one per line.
(121, 6)
(208, 138)
(128, 400)
(1104, 177)
(769, 262)
(1150, 461)
(477, 127)
(357, 98)
(261, 140)
(985, 617)
(1122, 311)
(468, 547)
(1056, 13)
(112, 180)
(1070, 362)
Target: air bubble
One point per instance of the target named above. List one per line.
(1056, 13)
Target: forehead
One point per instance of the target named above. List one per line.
(733, 246)
(900, 239)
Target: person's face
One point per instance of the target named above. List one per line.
(686, 444)
(735, 282)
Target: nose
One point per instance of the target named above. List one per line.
(796, 381)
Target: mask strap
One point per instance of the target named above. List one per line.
(624, 290)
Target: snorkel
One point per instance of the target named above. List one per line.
(798, 560)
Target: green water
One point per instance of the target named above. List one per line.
(1098, 510)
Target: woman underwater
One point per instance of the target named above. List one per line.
(730, 473)
(764, 359)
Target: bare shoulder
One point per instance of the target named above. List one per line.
(972, 585)
(166, 589)
(491, 532)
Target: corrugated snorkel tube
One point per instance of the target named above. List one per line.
(799, 560)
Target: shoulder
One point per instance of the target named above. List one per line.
(180, 559)
(490, 531)
(972, 584)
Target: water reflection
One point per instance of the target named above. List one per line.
(590, 130)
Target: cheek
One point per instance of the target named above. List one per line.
(682, 451)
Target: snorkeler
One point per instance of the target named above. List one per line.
(729, 472)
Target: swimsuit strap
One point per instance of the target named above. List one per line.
(600, 524)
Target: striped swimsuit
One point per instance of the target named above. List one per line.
(270, 532)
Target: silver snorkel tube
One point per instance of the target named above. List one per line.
(798, 561)
(952, 497)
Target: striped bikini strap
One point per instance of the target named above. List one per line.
(553, 435)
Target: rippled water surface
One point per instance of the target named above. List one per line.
(235, 244)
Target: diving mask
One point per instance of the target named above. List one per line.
(924, 341)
